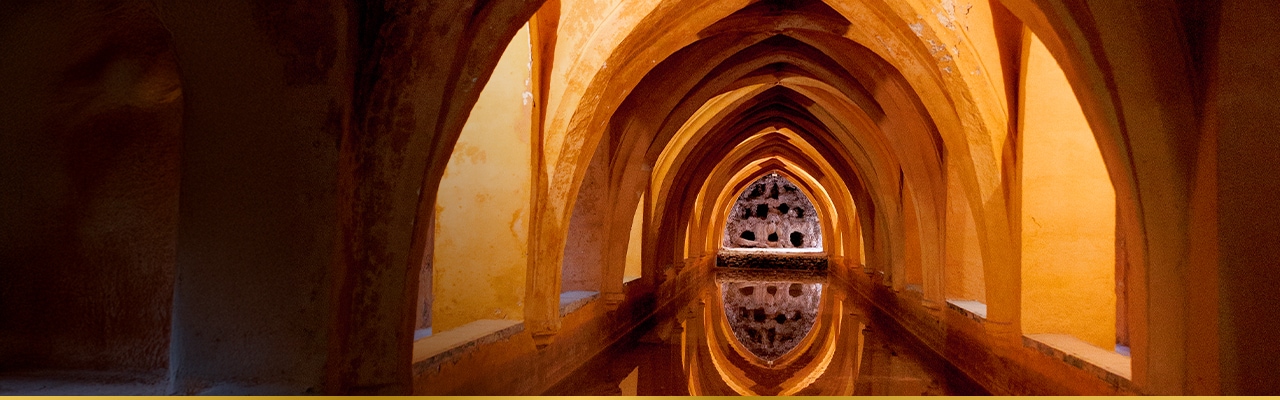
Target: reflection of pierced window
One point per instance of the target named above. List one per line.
(770, 324)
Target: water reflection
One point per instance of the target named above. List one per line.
(806, 336)
(770, 318)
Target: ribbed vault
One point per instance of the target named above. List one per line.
(323, 193)
(881, 115)
(882, 110)
(895, 115)
(757, 80)
(891, 120)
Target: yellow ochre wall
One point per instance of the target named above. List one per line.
(632, 268)
(911, 224)
(1068, 211)
(482, 213)
(862, 247)
(963, 275)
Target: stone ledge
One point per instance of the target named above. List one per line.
(434, 350)
(1112, 368)
(723, 275)
(969, 308)
(572, 301)
(772, 259)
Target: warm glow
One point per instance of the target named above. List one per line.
(1068, 213)
(482, 219)
(523, 197)
(632, 270)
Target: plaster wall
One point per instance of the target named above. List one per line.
(89, 142)
(482, 210)
(963, 275)
(980, 30)
(632, 269)
(1068, 212)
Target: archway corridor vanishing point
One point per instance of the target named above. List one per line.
(755, 197)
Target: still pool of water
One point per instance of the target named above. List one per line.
(766, 333)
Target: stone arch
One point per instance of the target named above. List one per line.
(978, 198)
(747, 157)
(416, 91)
(621, 143)
(1148, 166)
(662, 246)
(377, 93)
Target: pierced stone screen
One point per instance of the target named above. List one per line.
(773, 213)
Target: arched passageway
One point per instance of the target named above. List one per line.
(476, 197)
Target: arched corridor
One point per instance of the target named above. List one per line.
(483, 197)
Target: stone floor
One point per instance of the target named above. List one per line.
(80, 383)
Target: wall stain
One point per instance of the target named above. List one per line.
(302, 32)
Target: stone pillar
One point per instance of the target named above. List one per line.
(267, 89)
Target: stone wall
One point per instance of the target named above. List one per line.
(773, 213)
